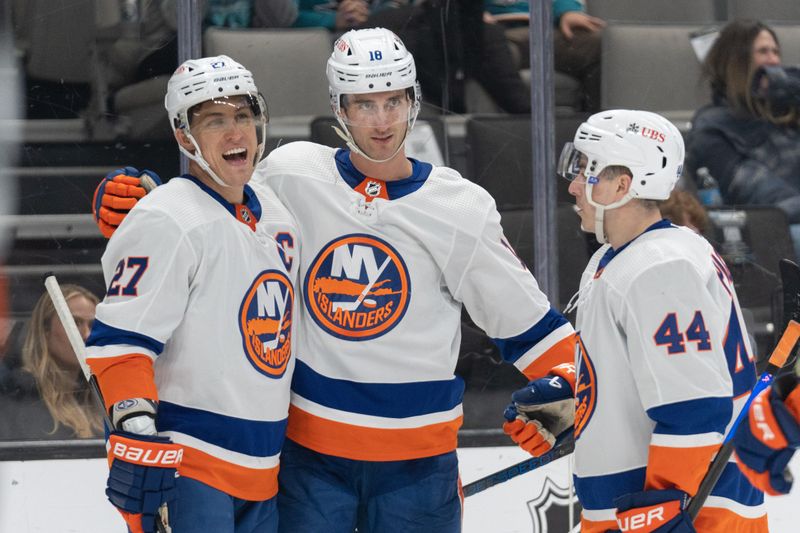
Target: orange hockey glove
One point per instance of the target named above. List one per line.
(116, 195)
(768, 437)
(541, 411)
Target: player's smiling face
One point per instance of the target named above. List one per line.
(378, 121)
(225, 130)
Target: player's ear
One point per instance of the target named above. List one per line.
(624, 183)
(183, 140)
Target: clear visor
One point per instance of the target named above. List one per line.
(571, 163)
(378, 110)
(221, 114)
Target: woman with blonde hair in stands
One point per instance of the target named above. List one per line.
(48, 397)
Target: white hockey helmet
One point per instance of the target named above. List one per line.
(370, 61)
(649, 145)
(212, 79)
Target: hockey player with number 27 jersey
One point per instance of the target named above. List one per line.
(192, 346)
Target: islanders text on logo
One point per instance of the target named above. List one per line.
(585, 389)
(265, 322)
(357, 288)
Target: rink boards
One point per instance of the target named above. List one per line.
(65, 496)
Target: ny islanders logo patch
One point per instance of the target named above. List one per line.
(357, 288)
(265, 322)
(585, 389)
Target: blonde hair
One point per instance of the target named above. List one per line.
(65, 393)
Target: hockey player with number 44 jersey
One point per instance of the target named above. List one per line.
(663, 358)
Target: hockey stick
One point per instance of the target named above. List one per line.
(565, 444)
(79, 348)
(790, 276)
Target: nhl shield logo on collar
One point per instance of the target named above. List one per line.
(372, 188)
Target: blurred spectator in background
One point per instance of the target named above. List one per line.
(340, 15)
(748, 138)
(684, 209)
(152, 48)
(48, 396)
(450, 42)
(576, 40)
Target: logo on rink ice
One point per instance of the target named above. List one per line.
(265, 322)
(550, 509)
(585, 389)
(357, 288)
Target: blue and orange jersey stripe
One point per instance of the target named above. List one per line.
(364, 443)
(365, 421)
(234, 455)
(548, 343)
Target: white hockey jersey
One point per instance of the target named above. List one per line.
(385, 268)
(663, 363)
(205, 290)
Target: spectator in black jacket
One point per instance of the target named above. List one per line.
(751, 149)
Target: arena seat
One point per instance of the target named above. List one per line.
(652, 67)
(767, 10)
(676, 11)
(288, 65)
(499, 156)
(738, 233)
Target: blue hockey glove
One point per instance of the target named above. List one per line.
(117, 193)
(142, 477)
(661, 511)
(539, 413)
(768, 437)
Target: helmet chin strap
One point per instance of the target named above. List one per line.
(600, 211)
(198, 158)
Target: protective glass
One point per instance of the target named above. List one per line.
(375, 109)
(571, 163)
(243, 112)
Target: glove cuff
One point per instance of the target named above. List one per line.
(565, 371)
(144, 451)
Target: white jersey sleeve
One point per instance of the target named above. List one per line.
(504, 299)
(149, 266)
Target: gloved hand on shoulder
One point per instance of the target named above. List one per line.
(116, 195)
